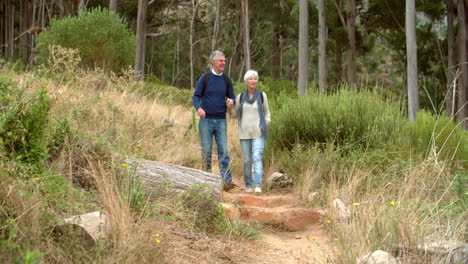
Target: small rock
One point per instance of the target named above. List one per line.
(298, 237)
(311, 196)
(456, 252)
(279, 180)
(91, 227)
(167, 122)
(377, 257)
(343, 212)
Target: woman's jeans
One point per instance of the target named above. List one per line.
(253, 155)
(217, 128)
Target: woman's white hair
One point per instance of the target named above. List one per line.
(249, 74)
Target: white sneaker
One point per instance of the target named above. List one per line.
(258, 189)
(248, 189)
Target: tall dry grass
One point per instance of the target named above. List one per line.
(395, 210)
(111, 120)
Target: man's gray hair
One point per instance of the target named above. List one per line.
(215, 55)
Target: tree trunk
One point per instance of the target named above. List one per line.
(21, 26)
(113, 6)
(82, 6)
(192, 32)
(303, 52)
(61, 8)
(245, 19)
(43, 16)
(463, 62)
(235, 54)
(412, 60)
(32, 33)
(339, 62)
(451, 68)
(217, 27)
(11, 35)
(175, 65)
(276, 51)
(141, 35)
(281, 50)
(6, 20)
(323, 70)
(351, 52)
(155, 174)
(2, 28)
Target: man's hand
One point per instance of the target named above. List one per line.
(201, 113)
(230, 103)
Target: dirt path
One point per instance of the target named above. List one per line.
(310, 245)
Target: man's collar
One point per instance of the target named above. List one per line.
(216, 73)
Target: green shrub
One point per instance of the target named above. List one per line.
(61, 132)
(23, 123)
(347, 118)
(438, 136)
(19, 66)
(101, 37)
(198, 202)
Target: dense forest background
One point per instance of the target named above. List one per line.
(365, 42)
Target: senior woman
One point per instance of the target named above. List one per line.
(253, 117)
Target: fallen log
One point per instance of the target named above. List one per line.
(154, 174)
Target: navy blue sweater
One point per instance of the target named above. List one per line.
(214, 98)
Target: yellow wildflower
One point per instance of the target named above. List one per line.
(36, 179)
(158, 241)
(389, 183)
(328, 222)
(313, 238)
(125, 165)
(356, 204)
(392, 203)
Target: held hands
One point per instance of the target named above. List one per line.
(201, 113)
(230, 105)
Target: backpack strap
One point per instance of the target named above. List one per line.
(206, 77)
(226, 81)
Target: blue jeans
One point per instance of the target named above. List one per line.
(217, 128)
(253, 155)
